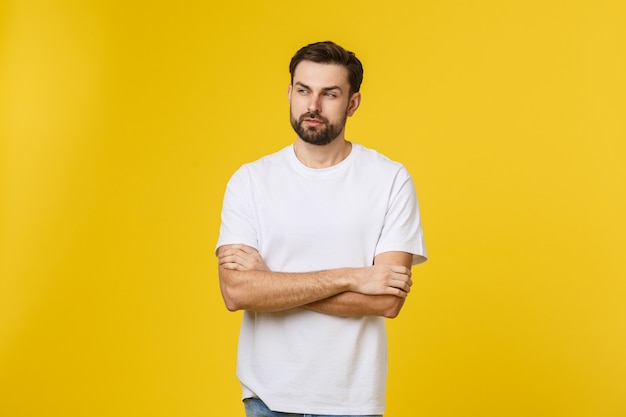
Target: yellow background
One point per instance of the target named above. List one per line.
(120, 123)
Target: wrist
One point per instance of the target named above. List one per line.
(351, 278)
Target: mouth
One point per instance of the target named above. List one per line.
(312, 121)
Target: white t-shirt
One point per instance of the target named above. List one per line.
(300, 220)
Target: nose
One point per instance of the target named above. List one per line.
(314, 104)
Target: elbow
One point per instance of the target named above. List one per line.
(230, 300)
(391, 313)
(230, 304)
(393, 309)
(229, 295)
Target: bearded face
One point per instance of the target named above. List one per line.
(316, 129)
(320, 102)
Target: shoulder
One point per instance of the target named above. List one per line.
(274, 160)
(373, 156)
(378, 163)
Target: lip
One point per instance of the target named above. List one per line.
(315, 122)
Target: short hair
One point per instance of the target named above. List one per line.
(328, 52)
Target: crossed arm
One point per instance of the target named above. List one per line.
(247, 284)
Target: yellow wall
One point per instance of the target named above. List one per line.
(120, 123)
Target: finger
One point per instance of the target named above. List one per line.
(399, 269)
(398, 292)
(229, 252)
(400, 277)
(231, 259)
(230, 249)
(232, 266)
(247, 253)
(406, 288)
(402, 285)
(224, 258)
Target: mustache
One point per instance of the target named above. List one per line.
(314, 116)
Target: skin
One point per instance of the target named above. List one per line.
(322, 89)
(380, 289)
(320, 102)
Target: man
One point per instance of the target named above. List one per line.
(316, 246)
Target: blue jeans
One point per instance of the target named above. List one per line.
(257, 408)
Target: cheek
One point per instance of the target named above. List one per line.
(297, 106)
(339, 112)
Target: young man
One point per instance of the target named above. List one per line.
(316, 246)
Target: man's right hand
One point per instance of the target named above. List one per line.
(241, 258)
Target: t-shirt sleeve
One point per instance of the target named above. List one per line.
(238, 225)
(402, 229)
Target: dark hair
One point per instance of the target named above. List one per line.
(330, 53)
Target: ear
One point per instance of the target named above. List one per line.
(289, 89)
(354, 103)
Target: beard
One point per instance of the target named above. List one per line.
(317, 135)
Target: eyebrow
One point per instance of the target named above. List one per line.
(334, 87)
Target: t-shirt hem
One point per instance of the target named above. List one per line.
(315, 409)
(252, 244)
(419, 253)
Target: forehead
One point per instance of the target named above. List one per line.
(314, 74)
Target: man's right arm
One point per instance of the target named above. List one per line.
(251, 286)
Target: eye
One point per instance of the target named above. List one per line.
(331, 95)
(303, 91)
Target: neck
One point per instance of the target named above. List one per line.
(324, 156)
